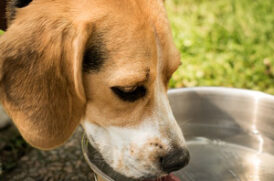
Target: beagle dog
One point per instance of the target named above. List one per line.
(104, 64)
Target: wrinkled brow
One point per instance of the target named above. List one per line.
(129, 78)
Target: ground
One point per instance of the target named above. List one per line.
(20, 162)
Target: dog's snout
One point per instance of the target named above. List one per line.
(175, 160)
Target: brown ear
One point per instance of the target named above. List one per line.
(41, 79)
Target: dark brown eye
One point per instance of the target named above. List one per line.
(129, 94)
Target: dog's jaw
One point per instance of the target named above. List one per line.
(126, 150)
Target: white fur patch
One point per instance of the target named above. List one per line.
(115, 144)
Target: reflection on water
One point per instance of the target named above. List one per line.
(216, 160)
(255, 162)
(254, 159)
(254, 129)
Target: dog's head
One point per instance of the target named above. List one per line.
(102, 63)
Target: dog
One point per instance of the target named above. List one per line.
(101, 64)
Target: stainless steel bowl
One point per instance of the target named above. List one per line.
(229, 132)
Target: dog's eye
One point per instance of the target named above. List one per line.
(129, 94)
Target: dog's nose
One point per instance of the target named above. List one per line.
(175, 160)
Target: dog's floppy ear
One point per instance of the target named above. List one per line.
(41, 78)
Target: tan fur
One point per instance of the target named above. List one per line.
(42, 85)
(39, 85)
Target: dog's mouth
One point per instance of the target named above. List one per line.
(99, 166)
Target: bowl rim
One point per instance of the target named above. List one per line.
(221, 90)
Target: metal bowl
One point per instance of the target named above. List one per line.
(229, 132)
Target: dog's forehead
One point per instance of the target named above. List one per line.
(130, 29)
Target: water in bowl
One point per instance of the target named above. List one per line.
(230, 157)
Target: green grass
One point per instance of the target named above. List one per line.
(1, 32)
(224, 43)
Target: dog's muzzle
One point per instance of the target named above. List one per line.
(172, 161)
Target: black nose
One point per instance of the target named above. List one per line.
(175, 160)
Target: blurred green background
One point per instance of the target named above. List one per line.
(224, 43)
